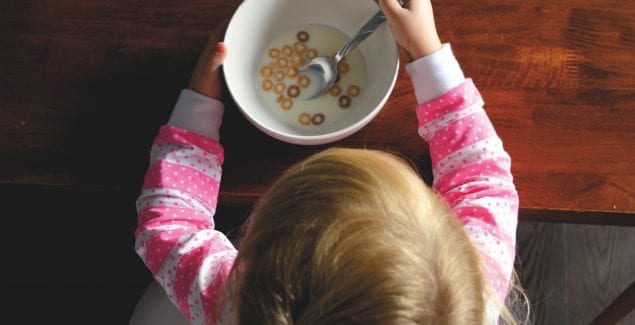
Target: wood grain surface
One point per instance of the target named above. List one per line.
(571, 273)
(85, 85)
(600, 272)
(541, 266)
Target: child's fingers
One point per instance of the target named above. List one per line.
(420, 6)
(206, 78)
(414, 4)
(210, 49)
(220, 54)
(213, 57)
(390, 7)
(216, 35)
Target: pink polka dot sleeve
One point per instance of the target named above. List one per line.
(175, 234)
(472, 172)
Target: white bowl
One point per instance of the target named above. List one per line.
(257, 22)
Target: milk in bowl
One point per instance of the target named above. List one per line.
(285, 90)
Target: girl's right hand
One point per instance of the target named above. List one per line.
(413, 26)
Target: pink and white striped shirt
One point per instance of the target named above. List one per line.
(176, 237)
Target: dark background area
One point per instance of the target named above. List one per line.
(69, 255)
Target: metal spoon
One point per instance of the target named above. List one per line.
(325, 68)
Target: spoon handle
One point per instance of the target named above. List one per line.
(363, 33)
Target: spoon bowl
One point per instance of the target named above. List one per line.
(324, 69)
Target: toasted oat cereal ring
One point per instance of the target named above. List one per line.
(304, 81)
(299, 47)
(287, 50)
(296, 60)
(280, 99)
(293, 91)
(353, 91)
(282, 62)
(304, 119)
(303, 36)
(317, 119)
(344, 67)
(292, 72)
(266, 71)
(279, 88)
(267, 84)
(336, 90)
(311, 53)
(278, 75)
(274, 53)
(286, 104)
(344, 101)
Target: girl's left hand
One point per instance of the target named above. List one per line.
(206, 78)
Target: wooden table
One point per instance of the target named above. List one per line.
(85, 85)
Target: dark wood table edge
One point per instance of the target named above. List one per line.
(587, 217)
(618, 309)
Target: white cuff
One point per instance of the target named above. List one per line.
(198, 113)
(435, 74)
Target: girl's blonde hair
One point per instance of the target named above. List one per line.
(355, 237)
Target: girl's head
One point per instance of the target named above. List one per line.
(355, 237)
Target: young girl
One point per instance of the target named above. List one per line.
(347, 236)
